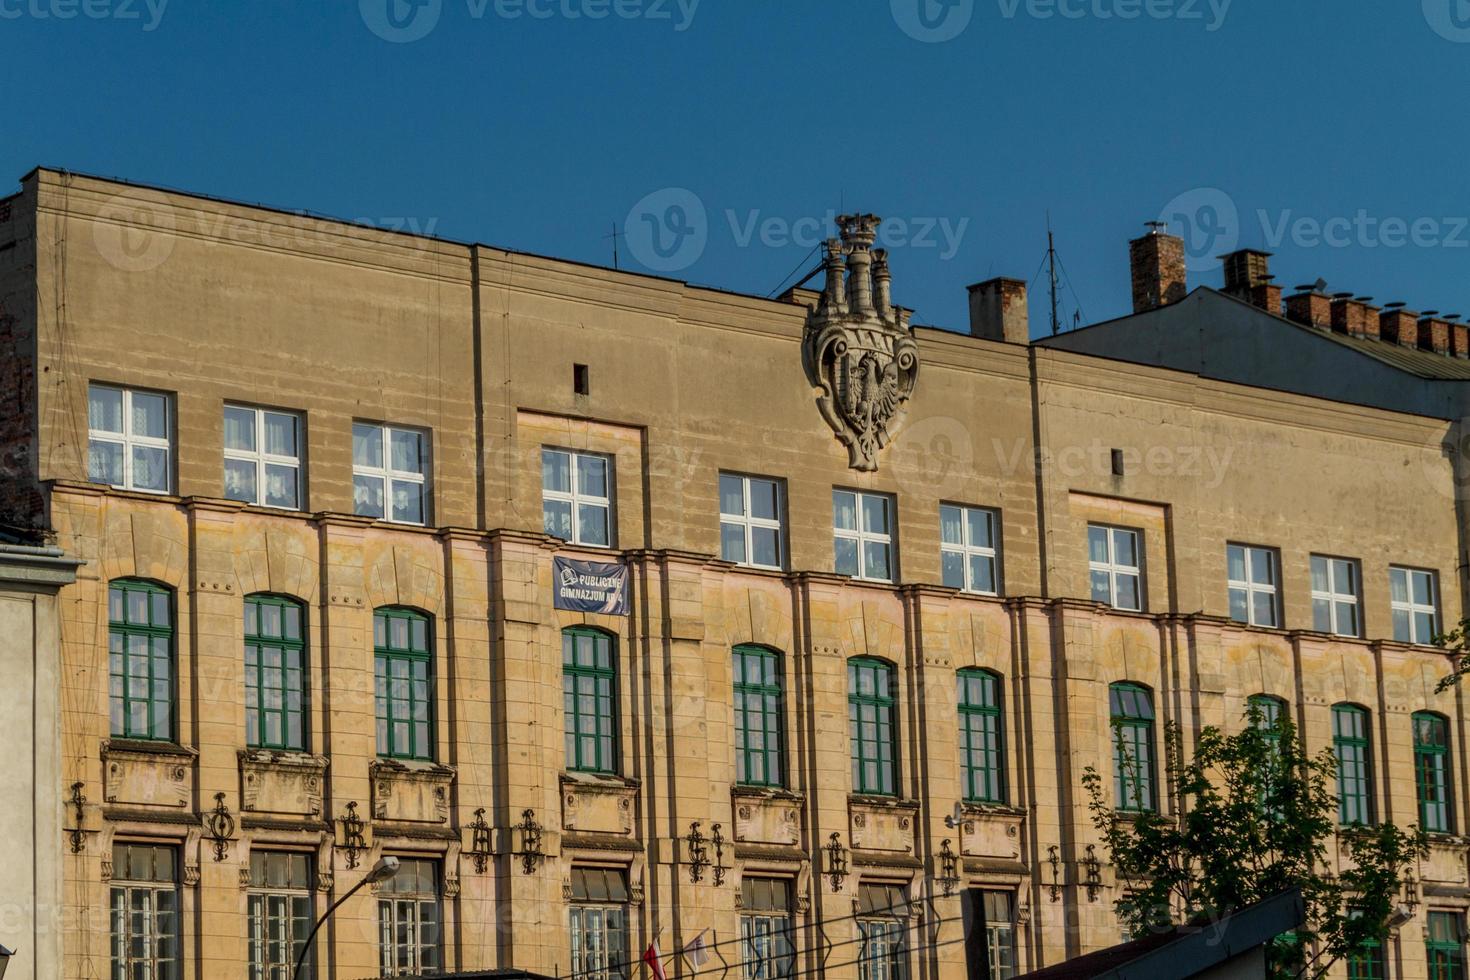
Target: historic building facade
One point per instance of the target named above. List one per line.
(863, 603)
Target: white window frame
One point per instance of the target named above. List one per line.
(127, 439)
(1413, 608)
(575, 498)
(261, 458)
(968, 549)
(864, 537)
(748, 521)
(1113, 568)
(396, 909)
(1333, 596)
(262, 931)
(389, 475)
(1252, 588)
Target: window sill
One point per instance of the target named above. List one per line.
(596, 780)
(424, 766)
(878, 799)
(752, 792)
(143, 746)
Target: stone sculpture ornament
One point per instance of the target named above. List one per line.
(858, 349)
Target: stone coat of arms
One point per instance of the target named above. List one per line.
(858, 349)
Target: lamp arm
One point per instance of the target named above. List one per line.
(306, 946)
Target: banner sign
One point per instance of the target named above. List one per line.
(590, 586)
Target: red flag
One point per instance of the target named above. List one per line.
(654, 961)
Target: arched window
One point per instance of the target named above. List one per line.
(871, 725)
(1352, 745)
(403, 683)
(140, 660)
(1432, 770)
(758, 729)
(275, 673)
(589, 699)
(1269, 714)
(981, 738)
(1131, 712)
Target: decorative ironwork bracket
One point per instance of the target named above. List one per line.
(718, 839)
(220, 826)
(531, 851)
(1055, 860)
(78, 834)
(836, 860)
(698, 853)
(480, 842)
(352, 840)
(949, 868)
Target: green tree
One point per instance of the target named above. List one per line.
(1252, 814)
(1455, 642)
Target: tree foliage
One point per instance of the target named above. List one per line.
(1253, 814)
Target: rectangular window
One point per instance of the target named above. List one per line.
(403, 689)
(862, 533)
(758, 739)
(882, 925)
(980, 736)
(589, 700)
(129, 438)
(145, 912)
(1414, 598)
(576, 497)
(279, 913)
(767, 951)
(1432, 770)
(275, 673)
(390, 472)
(1335, 596)
(1444, 946)
(1365, 962)
(1000, 934)
(1353, 749)
(871, 728)
(598, 916)
(263, 457)
(1131, 708)
(751, 531)
(140, 653)
(1115, 563)
(967, 549)
(410, 920)
(1252, 579)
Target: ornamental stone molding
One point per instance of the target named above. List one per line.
(858, 349)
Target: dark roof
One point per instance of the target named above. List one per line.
(1186, 951)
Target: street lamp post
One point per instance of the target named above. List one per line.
(386, 868)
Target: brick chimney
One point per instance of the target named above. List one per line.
(998, 310)
(1370, 317)
(1349, 315)
(1434, 333)
(1248, 277)
(1398, 325)
(1311, 306)
(1460, 339)
(1157, 264)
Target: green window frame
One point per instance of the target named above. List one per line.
(403, 683)
(982, 761)
(1131, 713)
(140, 660)
(1432, 770)
(758, 716)
(1444, 946)
(275, 673)
(872, 726)
(590, 699)
(1365, 962)
(1353, 748)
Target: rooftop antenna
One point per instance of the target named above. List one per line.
(1051, 261)
(614, 236)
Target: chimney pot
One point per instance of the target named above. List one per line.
(1248, 277)
(1157, 267)
(998, 310)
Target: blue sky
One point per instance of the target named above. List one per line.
(719, 134)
